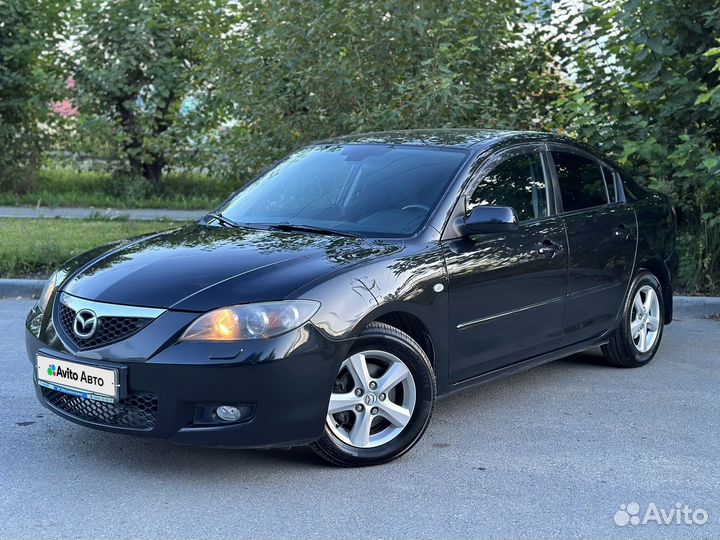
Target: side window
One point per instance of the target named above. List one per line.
(517, 182)
(610, 184)
(629, 186)
(581, 181)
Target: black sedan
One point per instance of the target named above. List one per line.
(331, 301)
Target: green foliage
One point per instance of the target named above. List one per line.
(35, 247)
(135, 62)
(27, 29)
(305, 70)
(647, 92)
(640, 79)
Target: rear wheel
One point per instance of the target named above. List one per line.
(381, 402)
(635, 342)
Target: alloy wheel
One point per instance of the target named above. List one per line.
(373, 399)
(645, 319)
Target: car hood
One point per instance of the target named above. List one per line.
(198, 268)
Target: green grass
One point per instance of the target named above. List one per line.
(35, 247)
(67, 187)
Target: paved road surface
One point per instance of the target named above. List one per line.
(552, 452)
(107, 213)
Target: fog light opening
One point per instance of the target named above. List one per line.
(213, 414)
(229, 413)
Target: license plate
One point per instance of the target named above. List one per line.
(76, 379)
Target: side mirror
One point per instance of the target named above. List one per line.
(489, 219)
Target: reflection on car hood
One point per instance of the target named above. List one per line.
(197, 268)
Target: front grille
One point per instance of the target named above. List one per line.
(109, 329)
(137, 411)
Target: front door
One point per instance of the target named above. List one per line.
(507, 290)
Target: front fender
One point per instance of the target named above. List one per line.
(414, 282)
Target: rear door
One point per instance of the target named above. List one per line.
(602, 236)
(507, 290)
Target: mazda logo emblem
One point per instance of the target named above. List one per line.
(85, 323)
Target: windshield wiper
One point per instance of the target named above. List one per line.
(287, 227)
(225, 222)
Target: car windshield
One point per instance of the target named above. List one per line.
(368, 190)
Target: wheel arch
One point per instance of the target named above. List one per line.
(413, 326)
(425, 324)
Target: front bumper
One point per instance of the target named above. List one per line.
(285, 381)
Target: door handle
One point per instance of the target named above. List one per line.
(621, 232)
(548, 248)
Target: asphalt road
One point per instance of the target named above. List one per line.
(552, 452)
(137, 214)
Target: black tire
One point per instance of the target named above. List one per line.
(621, 350)
(383, 337)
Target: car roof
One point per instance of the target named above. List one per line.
(477, 139)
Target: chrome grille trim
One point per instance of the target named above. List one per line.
(102, 309)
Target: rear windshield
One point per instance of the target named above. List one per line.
(369, 190)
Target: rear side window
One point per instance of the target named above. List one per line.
(517, 182)
(630, 188)
(581, 181)
(611, 185)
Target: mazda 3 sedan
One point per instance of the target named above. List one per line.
(333, 299)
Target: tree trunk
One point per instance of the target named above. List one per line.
(153, 173)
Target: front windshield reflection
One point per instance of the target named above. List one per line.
(373, 190)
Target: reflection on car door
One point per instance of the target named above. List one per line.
(506, 294)
(602, 236)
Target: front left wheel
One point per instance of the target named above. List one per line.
(381, 402)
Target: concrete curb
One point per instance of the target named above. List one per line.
(21, 288)
(684, 306)
(699, 307)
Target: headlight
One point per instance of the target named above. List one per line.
(251, 321)
(49, 289)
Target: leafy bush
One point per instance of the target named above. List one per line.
(647, 93)
(295, 75)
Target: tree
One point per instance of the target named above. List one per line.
(135, 62)
(647, 92)
(300, 70)
(28, 29)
